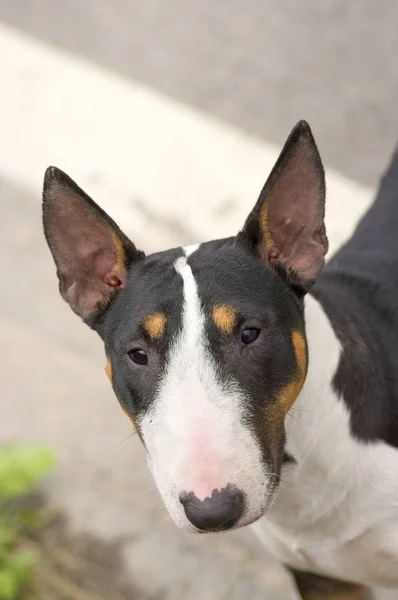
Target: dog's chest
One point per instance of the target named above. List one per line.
(348, 532)
(336, 512)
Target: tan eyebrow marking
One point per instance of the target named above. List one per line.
(224, 316)
(155, 324)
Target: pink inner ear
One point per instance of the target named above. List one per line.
(115, 282)
(89, 250)
(91, 273)
(105, 265)
(295, 217)
(273, 254)
(90, 284)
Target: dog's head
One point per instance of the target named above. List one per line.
(205, 346)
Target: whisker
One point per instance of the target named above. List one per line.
(132, 434)
(150, 488)
(292, 416)
(275, 475)
(162, 508)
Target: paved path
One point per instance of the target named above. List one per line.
(170, 175)
(260, 65)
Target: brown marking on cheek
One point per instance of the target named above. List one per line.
(224, 317)
(108, 369)
(300, 349)
(272, 428)
(155, 325)
(132, 420)
(275, 412)
(290, 392)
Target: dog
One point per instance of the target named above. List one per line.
(262, 383)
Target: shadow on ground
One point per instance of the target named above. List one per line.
(76, 565)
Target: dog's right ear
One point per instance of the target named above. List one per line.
(286, 227)
(90, 252)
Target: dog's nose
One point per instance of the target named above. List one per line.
(217, 513)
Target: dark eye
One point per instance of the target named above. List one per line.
(249, 335)
(139, 356)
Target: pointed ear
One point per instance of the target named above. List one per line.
(90, 252)
(286, 227)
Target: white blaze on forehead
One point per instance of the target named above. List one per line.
(192, 317)
(195, 433)
(190, 249)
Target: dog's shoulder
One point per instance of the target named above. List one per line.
(358, 292)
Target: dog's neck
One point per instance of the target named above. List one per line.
(317, 432)
(338, 499)
(317, 405)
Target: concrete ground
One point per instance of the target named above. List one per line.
(259, 65)
(171, 174)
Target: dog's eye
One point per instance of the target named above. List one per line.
(140, 357)
(249, 335)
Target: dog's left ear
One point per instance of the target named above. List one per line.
(286, 227)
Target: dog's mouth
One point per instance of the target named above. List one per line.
(225, 508)
(218, 512)
(224, 526)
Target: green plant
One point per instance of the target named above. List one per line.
(21, 468)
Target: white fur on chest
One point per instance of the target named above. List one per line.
(337, 510)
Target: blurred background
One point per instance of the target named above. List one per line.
(170, 113)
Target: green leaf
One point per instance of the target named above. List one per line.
(8, 585)
(21, 467)
(8, 534)
(31, 521)
(21, 564)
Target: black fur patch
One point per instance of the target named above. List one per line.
(153, 286)
(359, 291)
(230, 275)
